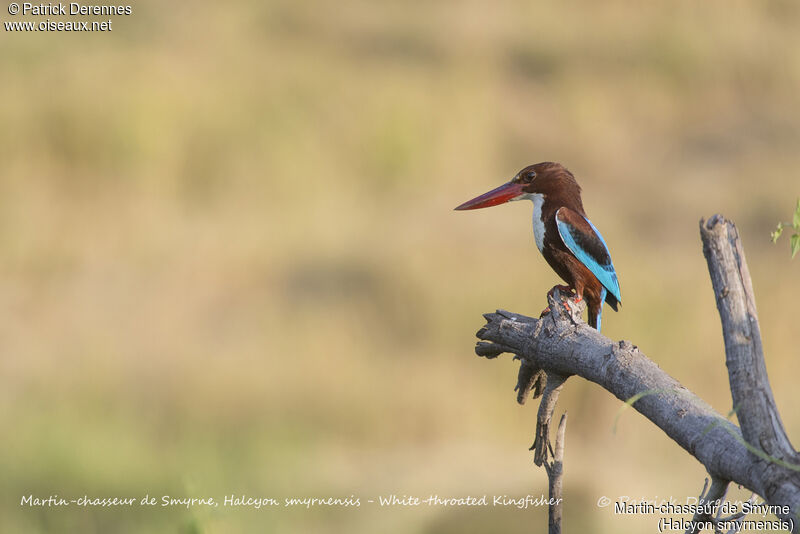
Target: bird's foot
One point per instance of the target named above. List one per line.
(560, 287)
(568, 292)
(569, 304)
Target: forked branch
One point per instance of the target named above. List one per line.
(560, 345)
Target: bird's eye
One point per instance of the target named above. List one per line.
(529, 176)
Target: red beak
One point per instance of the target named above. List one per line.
(501, 195)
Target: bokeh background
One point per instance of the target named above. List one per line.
(229, 262)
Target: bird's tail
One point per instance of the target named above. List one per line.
(596, 311)
(594, 317)
(611, 300)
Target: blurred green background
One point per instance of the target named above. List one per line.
(229, 262)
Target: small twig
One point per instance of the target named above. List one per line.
(716, 493)
(555, 474)
(737, 518)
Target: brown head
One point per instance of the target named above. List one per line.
(552, 181)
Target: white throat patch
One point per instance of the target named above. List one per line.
(538, 224)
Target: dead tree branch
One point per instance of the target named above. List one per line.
(555, 476)
(759, 456)
(546, 408)
(752, 396)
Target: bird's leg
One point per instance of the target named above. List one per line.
(578, 295)
(578, 291)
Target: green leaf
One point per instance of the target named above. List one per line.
(777, 233)
(796, 221)
(795, 244)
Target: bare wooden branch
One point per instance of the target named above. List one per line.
(753, 402)
(552, 389)
(752, 396)
(530, 379)
(762, 460)
(555, 476)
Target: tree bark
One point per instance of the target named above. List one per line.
(555, 478)
(759, 456)
(753, 402)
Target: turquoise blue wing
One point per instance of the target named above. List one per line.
(585, 242)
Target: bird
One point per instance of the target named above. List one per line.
(569, 242)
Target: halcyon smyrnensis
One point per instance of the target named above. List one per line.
(564, 235)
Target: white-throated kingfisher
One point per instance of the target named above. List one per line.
(564, 235)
